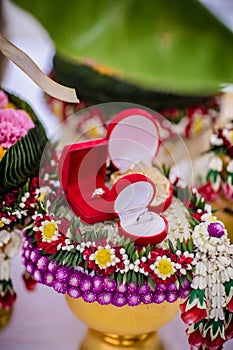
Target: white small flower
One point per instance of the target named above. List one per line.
(22, 205)
(214, 140)
(215, 164)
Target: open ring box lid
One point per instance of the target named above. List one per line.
(133, 138)
(134, 194)
(82, 170)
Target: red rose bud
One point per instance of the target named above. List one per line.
(192, 315)
(7, 301)
(29, 282)
(195, 339)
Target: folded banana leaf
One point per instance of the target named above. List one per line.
(176, 46)
(22, 160)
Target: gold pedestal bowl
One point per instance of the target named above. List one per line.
(126, 327)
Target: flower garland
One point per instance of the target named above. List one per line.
(219, 178)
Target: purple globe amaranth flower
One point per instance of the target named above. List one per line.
(38, 276)
(162, 287)
(75, 279)
(86, 285)
(42, 263)
(26, 244)
(109, 286)
(122, 288)
(216, 229)
(35, 255)
(97, 284)
(147, 298)
(145, 288)
(27, 253)
(52, 266)
(172, 287)
(60, 287)
(119, 300)
(132, 288)
(104, 298)
(133, 299)
(74, 292)
(62, 273)
(89, 297)
(48, 279)
(30, 267)
(159, 297)
(184, 294)
(186, 285)
(171, 297)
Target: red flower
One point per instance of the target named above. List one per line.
(7, 301)
(49, 247)
(229, 331)
(230, 305)
(195, 339)
(192, 315)
(215, 344)
(11, 198)
(208, 192)
(34, 184)
(29, 281)
(228, 191)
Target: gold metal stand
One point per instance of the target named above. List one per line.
(100, 341)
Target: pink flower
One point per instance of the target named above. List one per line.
(192, 315)
(3, 99)
(14, 124)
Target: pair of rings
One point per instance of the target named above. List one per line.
(144, 217)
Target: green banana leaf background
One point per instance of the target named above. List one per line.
(176, 45)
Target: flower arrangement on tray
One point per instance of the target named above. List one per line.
(104, 262)
(22, 140)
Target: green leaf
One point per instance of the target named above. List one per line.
(112, 276)
(151, 283)
(178, 245)
(188, 276)
(134, 277)
(128, 276)
(140, 279)
(131, 249)
(159, 28)
(172, 249)
(184, 246)
(119, 278)
(190, 245)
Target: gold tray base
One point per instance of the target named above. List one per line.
(100, 341)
